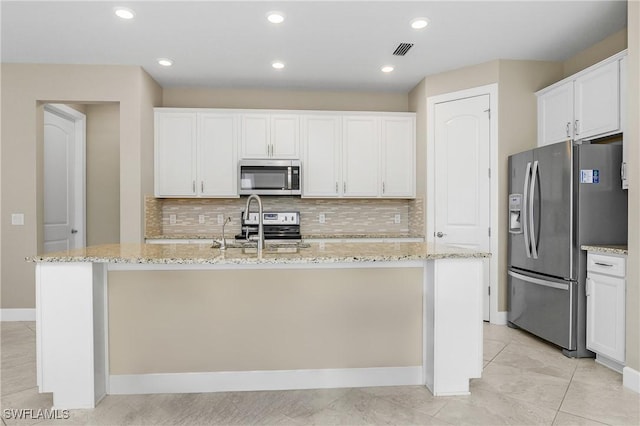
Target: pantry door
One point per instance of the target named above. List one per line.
(63, 172)
(462, 177)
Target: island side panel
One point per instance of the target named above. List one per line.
(264, 320)
(70, 329)
(453, 325)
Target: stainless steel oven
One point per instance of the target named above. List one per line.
(269, 177)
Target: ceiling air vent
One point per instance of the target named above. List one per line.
(402, 49)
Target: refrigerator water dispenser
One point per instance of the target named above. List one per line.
(515, 213)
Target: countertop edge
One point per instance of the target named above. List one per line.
(606, 249)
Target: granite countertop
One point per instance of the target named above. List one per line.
(607, 249)
(204, 254)
(304, 237)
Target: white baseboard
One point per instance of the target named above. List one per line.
(17, 314)
(631, 379)
(499, 318)
(227, 381)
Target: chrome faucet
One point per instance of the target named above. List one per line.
(260, 228)
(223, 244)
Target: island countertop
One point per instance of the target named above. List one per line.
(314, 253)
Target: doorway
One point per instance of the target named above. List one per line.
(461, 194)
(64, 178)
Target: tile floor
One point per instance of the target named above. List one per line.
(525, 382)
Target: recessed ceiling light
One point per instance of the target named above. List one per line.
(277, 65)
(165, 62)
(275, 17)
(419, 23)
(124, 13)
(387, 68)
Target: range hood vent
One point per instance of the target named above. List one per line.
(402, 49)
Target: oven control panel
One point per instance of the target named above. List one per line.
(274, 218)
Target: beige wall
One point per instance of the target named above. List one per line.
(284, 99)
(611, 45)
(24, 88)
(246, 320)
(103, 173)
(632, 137)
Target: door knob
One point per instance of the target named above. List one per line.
(74, 231)
(440, 234)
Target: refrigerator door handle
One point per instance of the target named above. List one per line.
(532, 229)
(538, 281)
(527, 176)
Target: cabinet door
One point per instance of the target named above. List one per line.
(285, 136)
(321, 163)
(360, 156)
(398, 153)
(255, 136)
(175, 154)
(555, 115)
(597, 102)
(623, 120)
(606, 316)
(217, 158)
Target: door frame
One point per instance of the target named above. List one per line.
(495, 317)
(80, 175)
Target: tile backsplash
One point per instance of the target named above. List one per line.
(172, 217)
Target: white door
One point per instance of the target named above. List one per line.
(462, 197)
(61, 232)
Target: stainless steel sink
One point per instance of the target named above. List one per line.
(251, 246)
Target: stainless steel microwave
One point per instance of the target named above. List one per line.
(269, 177)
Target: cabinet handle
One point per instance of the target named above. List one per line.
(336, 187)
(575, 127)
(603, 264)
(193, 186)
(383, 187)
(568, 126)
(201, 186)
(344, 187)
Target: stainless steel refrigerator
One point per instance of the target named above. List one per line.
(561, 196)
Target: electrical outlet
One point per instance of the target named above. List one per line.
(321, 218)
(220, 219)
(17, 218)
(172, 219)
(201, 219)
(396, 218)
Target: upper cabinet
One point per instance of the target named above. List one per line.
(195, 154)
(270, 136)
(583, 106)
(359, 156)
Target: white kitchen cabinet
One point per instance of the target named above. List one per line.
(623, 121)
(217, 168)
(358, 156)
(195, 154)
(606, 308)
(361, 156)
(583, 106)
(270, 136)
(175, 154)
(398, 148)
(597, 102)
(555, 115)
(322, 160)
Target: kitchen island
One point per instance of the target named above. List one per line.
(173, 318)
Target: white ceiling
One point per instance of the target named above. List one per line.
(335, 45)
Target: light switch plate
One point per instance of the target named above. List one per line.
(17, 218)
